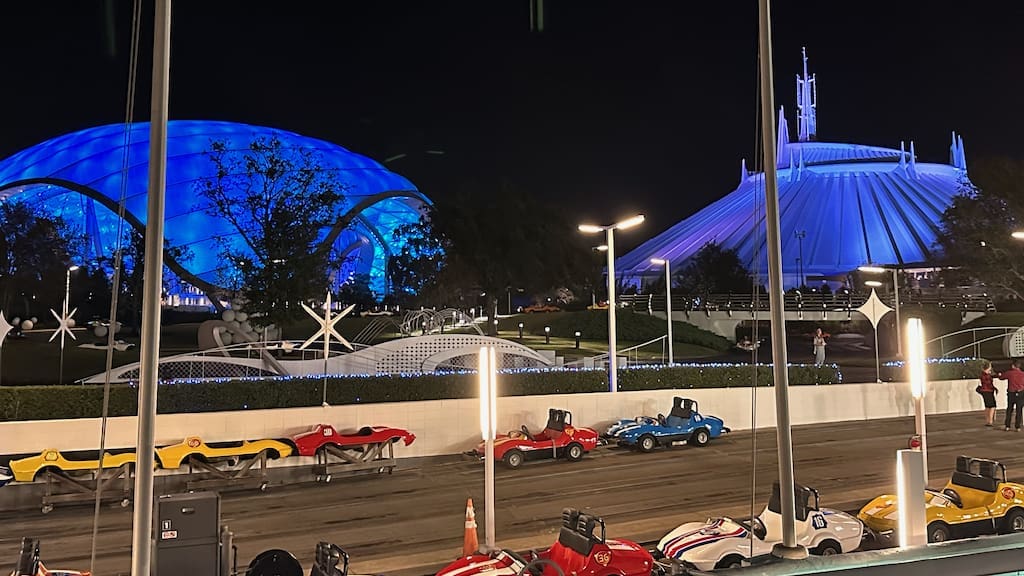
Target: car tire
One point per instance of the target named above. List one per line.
(513, 459)
(730, 561)
(1013, 521)
(827, 548)
(938, 532)
(574, 452)
(647, 443)
(699, 437)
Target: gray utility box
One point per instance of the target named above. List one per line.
(188, 535)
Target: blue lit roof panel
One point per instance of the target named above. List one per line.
(93, 158)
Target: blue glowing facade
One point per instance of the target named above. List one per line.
(79, 176)
(841, 206)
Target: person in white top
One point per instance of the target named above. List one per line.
(819, 347)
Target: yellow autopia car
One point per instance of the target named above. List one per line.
(28, 469)
(977, 500)
(171, 457)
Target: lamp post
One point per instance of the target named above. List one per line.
(896, 297)
(487, 369)
(547, 334)
(918, 383)
(668, 302)
(578, 339)
(800, 234)
(613, 378)
(64, 317)
(520, 330)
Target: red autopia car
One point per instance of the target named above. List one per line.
(559, 438)
(578, 551)
(307, 443)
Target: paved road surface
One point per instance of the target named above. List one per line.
(411, 523)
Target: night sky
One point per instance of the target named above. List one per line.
(616, 107)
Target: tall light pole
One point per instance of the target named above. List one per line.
(800, 234)
(64, 317)
(896, 297)
(918, 383)
(609, 230)
(668, 302)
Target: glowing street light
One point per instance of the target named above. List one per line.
(668, 302)
(613, 377)
(896, 296)
(487, 369)
(547, 334)
(918, 382)
(65, 321)
(1018, 235)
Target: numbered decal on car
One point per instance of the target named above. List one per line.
(818, 521)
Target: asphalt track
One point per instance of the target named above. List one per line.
(411, 523)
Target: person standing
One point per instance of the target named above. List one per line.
(988, 392)
(1014, 393)
(819, 348)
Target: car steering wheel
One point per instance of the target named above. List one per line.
(536, 567)
(526, 432)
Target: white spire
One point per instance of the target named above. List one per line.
(913, 161)
(800, 172)
(743, 171)
(960, 152)
(903, 157)
(954, 156)
(783, 137)
(792, 170)
(806, 104)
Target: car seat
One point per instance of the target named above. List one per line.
(571, 550)
(682, 410)
(326, 561)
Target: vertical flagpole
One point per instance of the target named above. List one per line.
(150, 353)
(788, 548)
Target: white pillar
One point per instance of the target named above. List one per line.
(910, 487)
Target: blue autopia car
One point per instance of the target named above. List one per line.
(683, 424)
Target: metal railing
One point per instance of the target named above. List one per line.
(625, 351)
(975, 344)
(808, 302)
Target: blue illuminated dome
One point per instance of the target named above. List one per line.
(79, 176)
(840, 206)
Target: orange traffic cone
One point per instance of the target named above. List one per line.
(470, 544)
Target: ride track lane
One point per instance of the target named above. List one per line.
(411, 523)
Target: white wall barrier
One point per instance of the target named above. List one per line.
(452, 426)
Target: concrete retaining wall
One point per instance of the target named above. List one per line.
(452, 426)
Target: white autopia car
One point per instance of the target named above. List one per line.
(725, 542)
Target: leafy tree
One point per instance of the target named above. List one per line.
(714, 270)
(421, 258)
(491, 239)
(34, 257)
(278, 200)
(129, 300)
(357, 291)
(975, 235)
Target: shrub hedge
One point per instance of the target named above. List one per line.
(86, 401)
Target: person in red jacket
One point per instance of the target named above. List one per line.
(988, 392)
(1014, 392)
